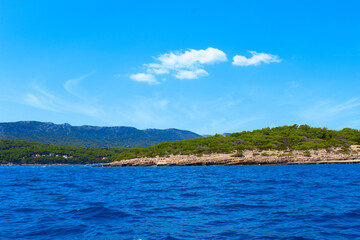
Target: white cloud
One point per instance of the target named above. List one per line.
(190, 64)
(189, 59)
(158, 71)
(193, 74)
(256, 59)
(144, 77)
(182, 65)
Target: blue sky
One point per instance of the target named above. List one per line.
(205, 66)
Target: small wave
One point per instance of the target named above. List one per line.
(149, 181)
(69, 185)
(28, 210)
(190, 194)
(56, 231)
(99, 213)
(85, 190)
(233, 234)
(170, 238)
(352, 214)
(238, 206)
(349, 216)
(221, 222)
(175, 209)
(19, 185)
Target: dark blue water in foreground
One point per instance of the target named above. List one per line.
(233, 202)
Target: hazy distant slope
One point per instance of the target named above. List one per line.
(89, 136)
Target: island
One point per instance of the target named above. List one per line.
(279, 145)
(294, 144)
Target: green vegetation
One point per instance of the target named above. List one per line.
(279, 138)
(307, 153)
(239, 153)
(289, 138)
(23, 152)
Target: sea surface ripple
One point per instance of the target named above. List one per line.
(223, 202)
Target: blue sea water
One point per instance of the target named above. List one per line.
(223, 202)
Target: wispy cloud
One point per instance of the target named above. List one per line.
(155, 111)
(293, 84)
(255, 59)
(227, 125)
(141, 112)
(138, 111)
(42, 99)
(352, 103)
(182, 65)
(40, 102)
(71, 85)
(327, 110)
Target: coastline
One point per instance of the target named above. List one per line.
(46, 164)
(250, 157)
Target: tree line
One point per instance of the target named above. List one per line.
(24, 152)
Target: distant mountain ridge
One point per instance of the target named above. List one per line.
(89, 136)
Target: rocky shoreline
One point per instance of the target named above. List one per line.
(250, 157)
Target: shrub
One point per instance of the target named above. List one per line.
(238, 154)
(307, 154)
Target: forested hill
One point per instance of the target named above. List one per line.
(90, 136)
(280, 138)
